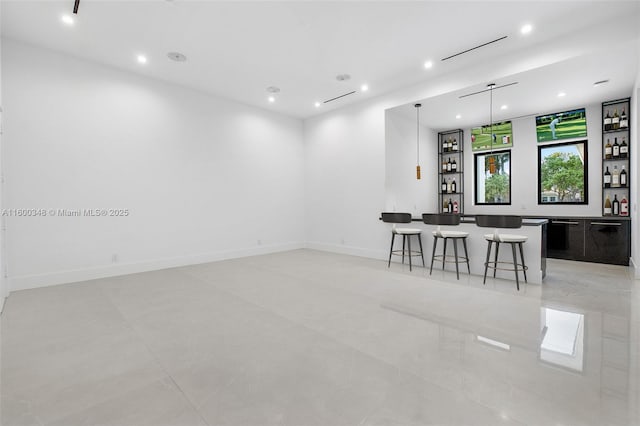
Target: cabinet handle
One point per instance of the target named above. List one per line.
(606, 223)
(562, 222)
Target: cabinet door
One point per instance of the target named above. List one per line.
(565, 239)
(608, 241)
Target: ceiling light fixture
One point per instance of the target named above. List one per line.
(364, 87)
(317, 104)
(428, 64)
(142, 59)
(600, 83)
(561, 94)
(76, 4)
(526, 28)
(418, 140)
(503, 107)
(68, 20)
(458, 116)
(271, 99)
(492, 159)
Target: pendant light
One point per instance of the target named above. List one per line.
(418, 140)
(492, 160)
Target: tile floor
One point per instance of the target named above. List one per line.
(313, 338)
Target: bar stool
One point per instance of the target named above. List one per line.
(504, 221)
(446, 219)
(406, 233)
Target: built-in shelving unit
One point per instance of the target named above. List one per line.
(616, 153)
(451, 171)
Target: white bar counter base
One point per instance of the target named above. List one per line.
(477, 247)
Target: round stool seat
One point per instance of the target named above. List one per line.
(406, 231)
(450, 234)
(505, 238)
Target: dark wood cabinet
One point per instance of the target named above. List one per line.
(600, 240)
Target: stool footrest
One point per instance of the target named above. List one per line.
(438, 258)
(494, 265)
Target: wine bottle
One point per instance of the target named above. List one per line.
(443, 187)
(615, 177)
(450, 145)
(624, 149)
(445, 145)
(623, 177)
(607, 206)
(615, 121)
(615, 206)
(449, 186)
(624, 122)
(454, 187)
(455, 207)
(607, 178)
(450, 206)
(445, 206)
(624, 206)
(607, 121)
(449, 165)
(444, 166)
(455, 145)
(615, 151)
(454, 166)
(608, 150)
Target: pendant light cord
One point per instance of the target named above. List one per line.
(417, 135)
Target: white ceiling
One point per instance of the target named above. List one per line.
(236, 49)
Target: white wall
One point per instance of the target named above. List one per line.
(203, 178)
(524, 173)
(4, 291)
(403, 192)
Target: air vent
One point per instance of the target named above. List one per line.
(474, 48)
(338, 97)
(486, 90)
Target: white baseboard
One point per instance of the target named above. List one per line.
(63, 277)
(354, 251)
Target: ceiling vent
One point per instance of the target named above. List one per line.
(486, 90)
(338, 97)
(474, 48)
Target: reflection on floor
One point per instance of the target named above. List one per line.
(313, 338)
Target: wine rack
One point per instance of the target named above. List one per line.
(616, 155)
(451, 171)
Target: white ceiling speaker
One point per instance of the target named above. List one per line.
(177, 56)
(343, 77)
(273, 89)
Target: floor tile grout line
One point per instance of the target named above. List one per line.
(156, 359)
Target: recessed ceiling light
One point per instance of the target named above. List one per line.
(343, 77)
(273, 89)
(504, 107)
(142, 59)
(177, 56)
(526, 29)
(561, 94)
(317, 104)
(66, 19)
(364, 87)
(271, 99)
(428, 64)
(458, 116)
(600, 83)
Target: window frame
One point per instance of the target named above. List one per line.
(585, 201)
(475, 177)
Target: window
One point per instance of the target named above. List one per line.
(562, 173)
(493, 178)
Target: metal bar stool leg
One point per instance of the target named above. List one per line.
(495, 259)
(409, 244)
(433, 254)
(524, 267)
(466, 255)
(404, 239)
(444, 253)
(455, 252)
(393, 237)
(486, 263)
(515, 264)
(421, 252)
